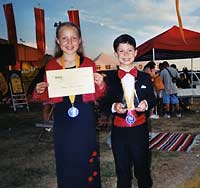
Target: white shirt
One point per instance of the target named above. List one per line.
(128, 83)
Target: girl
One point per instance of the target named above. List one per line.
(76, 154)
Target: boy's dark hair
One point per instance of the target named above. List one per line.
(124, 38)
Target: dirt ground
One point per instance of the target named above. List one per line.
(26, 162)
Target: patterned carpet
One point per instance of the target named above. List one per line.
(173, 141)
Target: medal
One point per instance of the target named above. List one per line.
(130, 118)
(73, 112)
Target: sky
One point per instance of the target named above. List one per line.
(103, 20)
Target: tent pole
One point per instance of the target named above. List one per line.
(156, 108)
(192, 72)
(191, 79)
(153, 54)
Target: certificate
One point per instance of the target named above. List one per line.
(67, 82)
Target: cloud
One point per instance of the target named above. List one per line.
(131, 15)
(107, 22)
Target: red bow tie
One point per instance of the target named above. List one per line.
(122, 73)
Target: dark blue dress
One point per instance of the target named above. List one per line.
(77, 159)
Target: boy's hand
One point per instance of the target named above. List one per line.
(119, 108)
(142, 106)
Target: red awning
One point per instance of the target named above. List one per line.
(170, 45)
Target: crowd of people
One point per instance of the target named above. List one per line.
(166, 80)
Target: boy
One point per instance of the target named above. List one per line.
(129, 96)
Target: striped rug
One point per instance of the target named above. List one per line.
(172, 141)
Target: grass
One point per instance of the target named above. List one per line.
(193, 182)
(25, 162)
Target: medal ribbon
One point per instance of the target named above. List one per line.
(71, 97)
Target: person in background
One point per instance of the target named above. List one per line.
(185, 79)
(160, 92)
(185, 82)
(174, 66)
(170, 89)
(150, 68)
(46, 111)
(77, 158)
(160, 67)
(129, 97)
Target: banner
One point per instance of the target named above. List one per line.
(74, 17)
(40, 29)
(11, 28)
(10, 20)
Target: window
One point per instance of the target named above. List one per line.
(108, 66)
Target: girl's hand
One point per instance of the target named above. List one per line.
(98, 79)
(40, 87)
